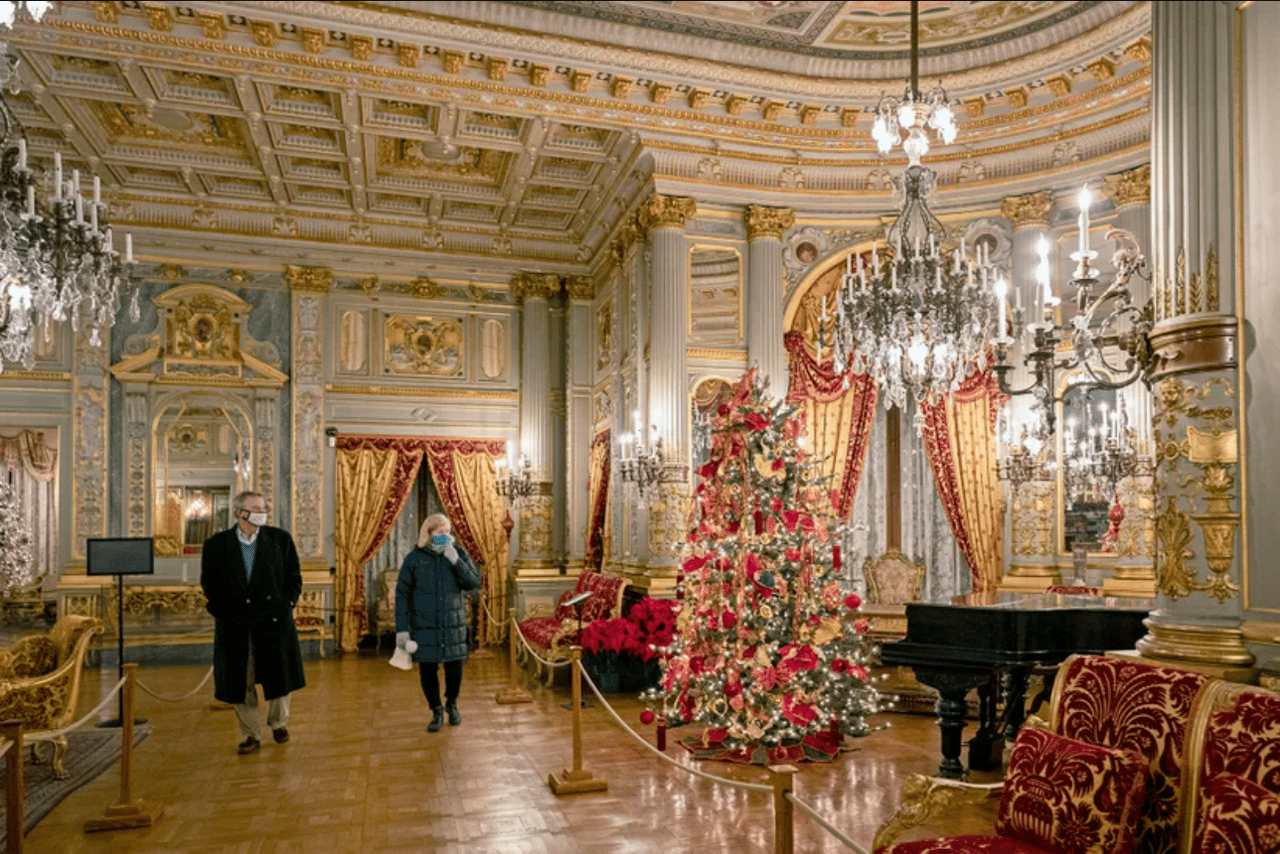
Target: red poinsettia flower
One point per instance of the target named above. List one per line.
(790, 518)
(694, 564)
(779, 464)
(793, 554)
(723, 410)
(756, 421)
(709, 469)
(839, 665)
(859, 671)
(775, 504)
(800, 714)
(766, 678)
(853, 601)
(728, 619)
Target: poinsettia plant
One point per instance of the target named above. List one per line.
(607, 640)
(655, 619)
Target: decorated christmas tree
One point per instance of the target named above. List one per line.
(768, 658)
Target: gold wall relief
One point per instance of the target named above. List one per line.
(1173, 535)
(768, 222)
(1198, 291)
(535, 526)
(1031, 209)
(426, 346)
(667, 211)
(1033, 509)
(604, 335)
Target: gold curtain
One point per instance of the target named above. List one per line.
(476, 489)
(599, 531)
(374, 478)
(960, 439)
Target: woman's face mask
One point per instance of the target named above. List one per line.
(440, 539)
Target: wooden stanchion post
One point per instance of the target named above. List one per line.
(577, 779)
(127, 812)
(783, 812)
(513, 693)
(14, 787)
(482, 619)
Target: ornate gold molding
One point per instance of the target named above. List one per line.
(661, 211)
(1193, 345)
(312, 279)
(11, 374)
(627, 235)
(1214, 645)
(580, 287)
(526, 285)
(767, 222)
(1130, 188)
(450, 393)
(715, 355)
(1029, 210)
(1186, 295)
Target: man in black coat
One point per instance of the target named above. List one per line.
(252, 579)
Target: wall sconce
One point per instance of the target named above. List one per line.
(643, 466)
(331, 433)
(514, 478)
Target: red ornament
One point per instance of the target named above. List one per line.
(853, 601)
(646, 717)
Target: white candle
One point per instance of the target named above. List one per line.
(79, 208)
(97, 190)
(1085, 198)
(848, 263)
(22, 152)
(875, 258)
(57, 176)
(1017, 298)
(111, 242)
(933, 247)
(1002, 288)
(31, 200)
(128, 247)
(917, 247)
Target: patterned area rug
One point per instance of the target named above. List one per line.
(89, 753)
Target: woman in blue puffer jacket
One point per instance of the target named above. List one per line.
(431, 619)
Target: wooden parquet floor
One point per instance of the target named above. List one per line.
(360, 774)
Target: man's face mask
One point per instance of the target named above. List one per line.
(257, 518)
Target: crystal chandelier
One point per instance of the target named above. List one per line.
(1105, 339)
(920, 319)
(515, 479)
(57, 260)
(9, 12)
(1020, 458)
(904, 120)
(1101, 455)
(643, 466)
(17, 567)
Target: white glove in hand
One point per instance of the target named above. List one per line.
(450, 553)
(411, 646)
(402, 640)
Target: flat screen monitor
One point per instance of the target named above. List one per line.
(121, 556)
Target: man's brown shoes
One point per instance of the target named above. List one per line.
(249, 745)
(280, 735)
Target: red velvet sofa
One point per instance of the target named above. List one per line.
(552, 636)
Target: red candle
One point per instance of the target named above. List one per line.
(835, 558)
(759, 523)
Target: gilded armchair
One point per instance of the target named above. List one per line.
(40, 682)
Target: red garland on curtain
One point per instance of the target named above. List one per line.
(440, 461)
(820, 384)
(944, 462)
(598, 491)
(408, 460)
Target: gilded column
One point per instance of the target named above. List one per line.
(664, 218)
(90, 389)
(578, 416)
(534, 291)
(1195, 378)
(308, 290)
(764, 305)
(1135, 548)
(1032, 537)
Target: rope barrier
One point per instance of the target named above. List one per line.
(824, 824)
(52, 734)
(184, 696)
(737, 784)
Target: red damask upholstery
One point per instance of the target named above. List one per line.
(551, 637)
(563, 611)
(539, 631)
(1131, 705)
(1071, 797)
(1237, 817)
(966, 845)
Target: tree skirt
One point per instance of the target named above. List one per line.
(90, 752)
(822, 746)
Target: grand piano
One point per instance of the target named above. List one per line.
(957, 647)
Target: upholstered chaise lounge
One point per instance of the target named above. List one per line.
(40, 682)
(552, 636)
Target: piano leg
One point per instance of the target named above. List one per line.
(951, 712)
(1016, 701)
(986, 748)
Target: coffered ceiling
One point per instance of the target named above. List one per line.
(405, 135)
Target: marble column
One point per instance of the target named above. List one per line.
(664, 218)
(578, 416)
(1031, 532)
(534, 557)
(1135, 548)
(308, 290)
(764, 296)
(1197, 408)
(90, 389)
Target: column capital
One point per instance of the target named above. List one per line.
(1029, 210)
(526, 285)
(767, 222)
(1132, 187)
(580, 287)
(661, 211)
(312, 279)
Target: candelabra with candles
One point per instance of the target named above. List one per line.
(904, 120)
(1106, 340)
(515, 479)
(1100, 456)
(643, 466)
(1021, 460)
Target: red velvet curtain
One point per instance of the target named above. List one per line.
(598, 498)
(839, 418)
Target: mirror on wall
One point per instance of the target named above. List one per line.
(1085, 419)
(715, 296)
(202, 456)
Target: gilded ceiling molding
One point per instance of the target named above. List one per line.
(1033, 209)
(313, 279)
(661, 211)
(526, 285)
(1129, 188)
(580, 287)
(422, 391)
(106, 11)
(767, 222)
(627, 235)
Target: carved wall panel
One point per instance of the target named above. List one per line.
(423, 346)
(1033, 510)
(493, 349)
(307, 503)
(353, 342)
(89, 482)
